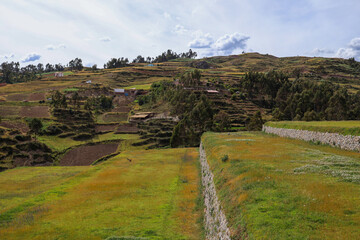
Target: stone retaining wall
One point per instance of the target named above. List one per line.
(347, 142)
(215, 220)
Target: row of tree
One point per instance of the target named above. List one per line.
(11, 72)
(300, 99)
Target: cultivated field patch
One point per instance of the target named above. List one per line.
(86, 155)
(35, 111)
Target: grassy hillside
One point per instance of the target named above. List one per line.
(277, 188)
(342, 127)
(154, 196)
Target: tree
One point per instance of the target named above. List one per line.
(256, 122)
(35, 125)
(222, 120)
(76, 64)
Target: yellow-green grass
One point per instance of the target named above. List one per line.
(278, 188)
(140, 86)
(153, 196)
(61, 144)
(38, 86)
(112, 117)
(342, 127)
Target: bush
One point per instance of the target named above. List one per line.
(225, 158)
(22, 138)
(53, 130)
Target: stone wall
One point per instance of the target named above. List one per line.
(215, 220)
(347, 142)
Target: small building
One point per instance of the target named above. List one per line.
(59, 74)
(88, 82)
(212, 91)
(150, 65)
(2, 84)
(141, 116)
(119, 91)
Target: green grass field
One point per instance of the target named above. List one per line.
(154, 196)
(278, 188)
(342, 127)
(60, 144)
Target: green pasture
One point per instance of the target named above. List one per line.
(153, 196)
(278, 188)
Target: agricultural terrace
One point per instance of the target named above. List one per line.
(342, 127)
(278, 188)
(152, 194)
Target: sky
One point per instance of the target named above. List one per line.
(34, 31)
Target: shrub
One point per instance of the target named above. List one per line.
(53, 130)
(22, 138)
(225, 158)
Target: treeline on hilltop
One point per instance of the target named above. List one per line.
(164, 57)
(11, 72)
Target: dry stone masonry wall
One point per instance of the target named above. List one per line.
(347, 142)
(215, 220)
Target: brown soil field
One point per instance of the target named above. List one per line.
(35, 111)
(105, 128)
(127, 128)
(86, 155)
(115, 117)
(17, 97)
(37, 97)
(9, 111)
(21, 126)
(124, 109)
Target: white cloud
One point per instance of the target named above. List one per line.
(229, 42)
(346, 53)
(31, 57)
(355, 44)
(105, 39)
(201, 41)
(226, 44)
(352, 51)
(52, 47)
(180, 29)
(322, 51)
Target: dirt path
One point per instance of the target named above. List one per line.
(215, 219)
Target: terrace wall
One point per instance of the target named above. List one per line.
(215, 220)
(347, 142)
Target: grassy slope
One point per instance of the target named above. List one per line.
(342, 127)
(60, 144)
(117, 198)
(277, 188)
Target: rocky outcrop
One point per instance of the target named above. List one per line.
(347, 142)
(215, 220)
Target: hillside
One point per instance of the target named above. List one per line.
(100, 153)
